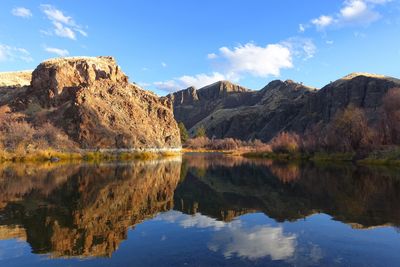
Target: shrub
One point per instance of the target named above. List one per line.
(349, 131)
(391, 117)
(52, 137)
(313, 139)
(17, 134)
(197, 143)
(258, 145)
(285, 142)
(223, 144)
(201, 132)
(20, 137)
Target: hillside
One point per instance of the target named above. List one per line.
(90, 100)
(279, 106)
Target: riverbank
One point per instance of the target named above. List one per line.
(86, 156)
(390, 157)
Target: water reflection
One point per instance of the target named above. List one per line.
(83, 210)
(225, 187)
(236, 239)
(87, 210)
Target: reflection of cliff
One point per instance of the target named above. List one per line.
(89, 213)
(17, 180)
(231, 185)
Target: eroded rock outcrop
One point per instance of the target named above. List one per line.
(279, 106)
(91, 100)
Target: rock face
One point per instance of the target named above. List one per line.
(91, 100)
(192, 106)
(279, 106)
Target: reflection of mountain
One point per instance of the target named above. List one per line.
(86, 210)
(89, 210)
(226, 187)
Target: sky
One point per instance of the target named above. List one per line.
(166, 46)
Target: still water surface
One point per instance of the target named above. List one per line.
(199, 210)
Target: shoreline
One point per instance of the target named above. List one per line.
(89, 155)
(104, 155)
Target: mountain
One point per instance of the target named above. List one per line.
(192, 106)
(279, 106)
(91, 100)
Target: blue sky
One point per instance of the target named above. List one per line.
(170, 45)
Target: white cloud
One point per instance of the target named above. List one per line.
(358, 12)
(353, 9)
(353, 12)
(11, 53)
(235, 239)
(303, 48)
(199, 80)
(64, 26)
(21, 12)
(57, 51)
(322, 21)
(254, 243)
(191, 221)
(302, 28)
(62, 31)
(255, 60)
(163, 64)
(54, 14)
(212, 56)
(249, 59)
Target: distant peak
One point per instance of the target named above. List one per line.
(366, 74)
(226, 86)
(290, 84)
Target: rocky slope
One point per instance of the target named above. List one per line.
(91, 100)
(279, 106)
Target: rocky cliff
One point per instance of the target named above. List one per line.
(192, 105)
(279, 106)
(91, 100)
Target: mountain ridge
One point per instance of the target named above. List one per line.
(283, 106)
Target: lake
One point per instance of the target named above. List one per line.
(199, 210)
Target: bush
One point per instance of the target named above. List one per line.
(17, 134)
(224, 144)
(20, 137)
(313, 139)
(201, 132)
(391, 117)
(53, 137)
(349, 131)
(197, 143)
(286, 142)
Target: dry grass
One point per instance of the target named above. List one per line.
(228, 145)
